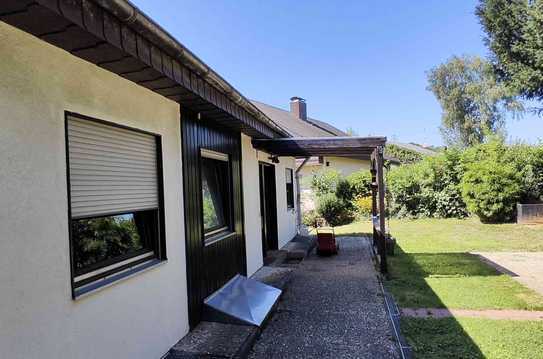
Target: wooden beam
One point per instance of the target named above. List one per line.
(381, 196)
(320, 146)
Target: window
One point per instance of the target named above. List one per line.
(115, 200)
(290, 188)
(216, 203)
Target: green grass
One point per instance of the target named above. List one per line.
(474, 338)
(455, 280)
(457, 235)
(432, 268)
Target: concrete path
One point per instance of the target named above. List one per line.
(332, 308)
(525, 267)
(508, 314)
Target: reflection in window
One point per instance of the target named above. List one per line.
(102, 241)
(215, 194)
(290, 187)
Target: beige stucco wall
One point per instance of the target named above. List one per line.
(141, 317)
(286, 218)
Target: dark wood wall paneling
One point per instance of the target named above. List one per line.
(209, 267)
(91, 33)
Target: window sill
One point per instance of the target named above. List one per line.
(218, 237)
(100, 284)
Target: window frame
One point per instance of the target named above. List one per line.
(290, 198)
(220, 232)
(111, 270)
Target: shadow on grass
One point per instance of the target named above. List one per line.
(432, 338)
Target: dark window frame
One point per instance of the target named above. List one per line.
(213, 235)
(159, 244)
(289, 172)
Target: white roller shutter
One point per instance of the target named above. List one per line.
(112, 169)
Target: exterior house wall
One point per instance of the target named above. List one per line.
(345, 166)
(38, 318)
(286, 218)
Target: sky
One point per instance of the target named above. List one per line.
(359, 64)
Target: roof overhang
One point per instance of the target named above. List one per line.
(117, 36)
(359, 147)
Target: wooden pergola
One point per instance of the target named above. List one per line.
(370, 148)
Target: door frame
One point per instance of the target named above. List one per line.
(268, 195)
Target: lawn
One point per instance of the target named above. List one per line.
(433, 268)
(474, 338)
(457, 235)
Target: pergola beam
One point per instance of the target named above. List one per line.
(320, 146)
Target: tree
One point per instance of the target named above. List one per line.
(515, 37)
(474, 104)
(351, 132)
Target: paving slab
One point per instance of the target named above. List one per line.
(333, 308)
(524, 267)
(214, 340)
(505, 314)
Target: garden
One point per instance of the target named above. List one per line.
(442, 210)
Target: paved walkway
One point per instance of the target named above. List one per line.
(332, 308)
(509, 314)
(525, 267)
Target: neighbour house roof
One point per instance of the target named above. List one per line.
(295, 126)
(117, 36)
(315, 128)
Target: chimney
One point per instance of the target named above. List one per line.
(298, 107)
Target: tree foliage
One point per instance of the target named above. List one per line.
(402, 154)
(474, 104)
(486, 180)
(515, 37)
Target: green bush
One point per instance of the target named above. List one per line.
(404, 155)
(493, 182)
(325, 182)
(429, 188)
(310, 218)
(335, 211)
(344, 190)
(360, 183)
(363, 206)
(491, 190)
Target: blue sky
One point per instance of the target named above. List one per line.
(359, 64)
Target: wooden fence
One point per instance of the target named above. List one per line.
(530, 213)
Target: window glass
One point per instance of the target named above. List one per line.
(215, 194)
(290, 188)
(100, 240)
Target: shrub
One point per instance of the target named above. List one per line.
(344, 190)
(363, 206)
(491, 190)
(360, 183)
(429, 188)
(492, 183)
(325, 182)
(310, 218)
(334, 210)
(402, 154)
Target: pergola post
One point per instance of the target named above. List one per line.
(373, 171)
(379, 229)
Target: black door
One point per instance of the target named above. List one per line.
(268, 208)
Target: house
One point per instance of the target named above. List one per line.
(298, 124)
(135, 182)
